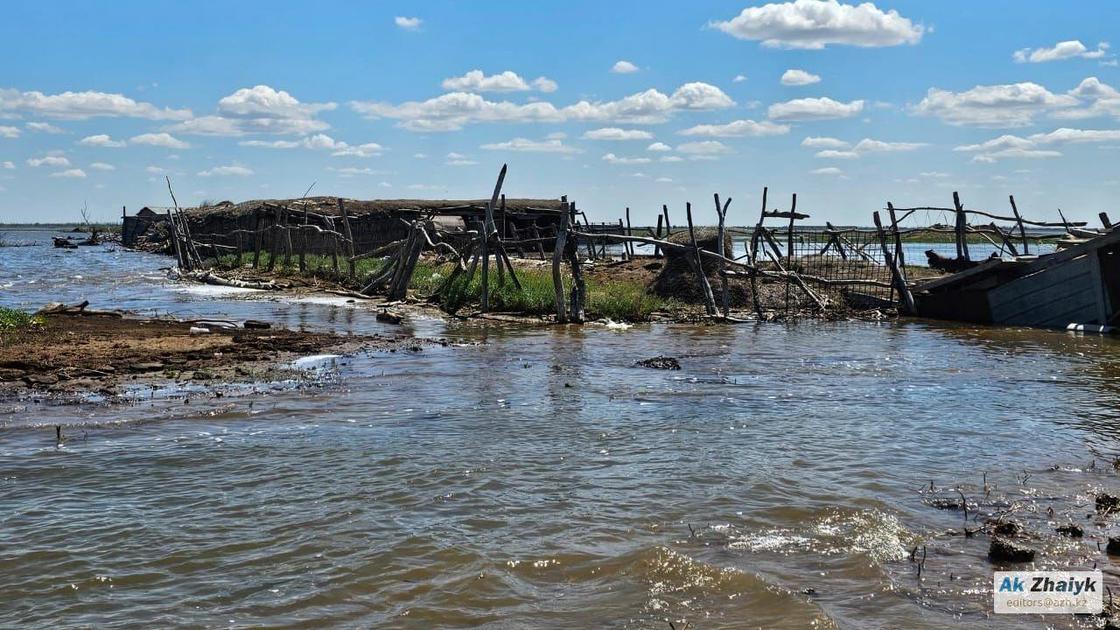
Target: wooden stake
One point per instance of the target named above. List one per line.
(898, 253)
(1019, 221)
(961, 228)
(705, 288)
(349, 234)
(897, 274)
(557, 258)
(721, 211)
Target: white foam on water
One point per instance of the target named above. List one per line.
(212, 290)
(315, 361)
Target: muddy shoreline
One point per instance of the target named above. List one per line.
(64, 357)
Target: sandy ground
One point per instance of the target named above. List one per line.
(72, 354)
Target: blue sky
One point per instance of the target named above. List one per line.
(614, 104)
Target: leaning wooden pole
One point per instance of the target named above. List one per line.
(899, 254)
(898, 276)
(1019, 221)
(557, 259)
(721, 211)
(961, 228)
(349, 234)
(705, 287)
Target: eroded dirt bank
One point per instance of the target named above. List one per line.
(71, 354)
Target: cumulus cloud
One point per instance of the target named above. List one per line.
(165, 140)
(102, 166)
(531, 146)
(75, 173)
(822, 142)
(615, 133)
(408, 23)
(815, 24)
(101, 140)
(705, 148)
(43, 127)
(1072, 49)
(739, 78)
(1033, 146)
(737, 129)
(49, 160)
(828, 170)
(611, 158)
(454, 110)
(840, 150)
(9, 132)
(823, 108)
(7, 165)
(84, 105)
(508, 81)
(352, 171)
(458, 159)
(999, 106)
(794, 76)
(320, 142)
(232, 170)
(659, 147)
(259, 109)
(623, 67)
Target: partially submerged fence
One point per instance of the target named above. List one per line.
(781, 265)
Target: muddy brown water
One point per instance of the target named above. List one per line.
(779, 479)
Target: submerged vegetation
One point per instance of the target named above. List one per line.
(13, 319)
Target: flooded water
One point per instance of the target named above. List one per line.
(781, 478)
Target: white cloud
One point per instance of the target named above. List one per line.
(623, 67)
(840, 150)
(7, 165)
(458, 159)
(1062, 50)
(659, 147)
(821, 142)
(508, 81)
(75, 173)
(156, 170)
(231, 170)
(259, 109)
(739, 78)
(408, 23)
(867, 145)
(451, 111)
(545, 84)
(102, 166)
(998, 106)
(352, 171)
(320, 142)
(9, 132)
(477, 81)
(794, 76)
(43, 127)
(1031, 147)
(1104, 101)
(663, 180)
(704, 148)
(816, 23)
(101, 140)
(615, 133)
(832, 154)
(670, 158)
(611, 158)
(823, 108)
(737, 129)
(50, 160)
(165, 140)
(828, 170)
(83, 105)
(531, 146)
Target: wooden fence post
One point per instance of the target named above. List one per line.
(557, 258)
(897, 274)
(705, 287)
(1019, 221)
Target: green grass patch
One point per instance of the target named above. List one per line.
(620, 300)
(13, 319)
